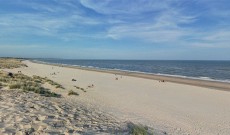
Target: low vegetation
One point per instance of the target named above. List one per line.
(15, 86)
(80, 88)
(83, 89)
(71, 92)
(138, 129)
(10, 63)
(44, 80)
(25, 83)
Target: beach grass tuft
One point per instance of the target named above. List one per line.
(83, 89)
(138, 129)
(25, 83)
(15, 86)
(10, 63)
(80, 88)
(46, 80)
(71, 92)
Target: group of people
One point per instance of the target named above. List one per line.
(117, 77)
(161, 80)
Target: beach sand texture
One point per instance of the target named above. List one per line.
(171, 107)
(28, 113)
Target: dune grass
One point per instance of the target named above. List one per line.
(80, 88)
(83, 89)
(71, 92)
(10, 63)
(44, 80)
(25, 83)
(15, 86)
(138, 129)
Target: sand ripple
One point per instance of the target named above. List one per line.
(29, 113)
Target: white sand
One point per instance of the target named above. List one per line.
(174, 108)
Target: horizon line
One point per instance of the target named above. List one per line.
(122, 59)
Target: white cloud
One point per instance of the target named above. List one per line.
(219, 35)
(167, 27)
(164, 28)
(212, 38)
(153, 21)
(40, 24)
(59, 19)
(146, 32)
(125, 7)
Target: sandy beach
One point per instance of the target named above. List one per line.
(28, 113)
(172, 108)
(115, 67)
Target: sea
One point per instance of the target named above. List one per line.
(194, 69)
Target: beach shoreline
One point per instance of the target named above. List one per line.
(30, 105)
(166, 107)
(174, 79)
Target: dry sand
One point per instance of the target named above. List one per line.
(171, 107)
(29, 113)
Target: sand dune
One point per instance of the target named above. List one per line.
(171, 107)
(29, 113)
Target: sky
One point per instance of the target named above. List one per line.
(116, 29)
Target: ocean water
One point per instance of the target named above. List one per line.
(205, 70)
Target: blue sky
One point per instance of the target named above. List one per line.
(116, 29)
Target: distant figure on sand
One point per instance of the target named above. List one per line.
(91, 86)
(162, 81)
(53, 73)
